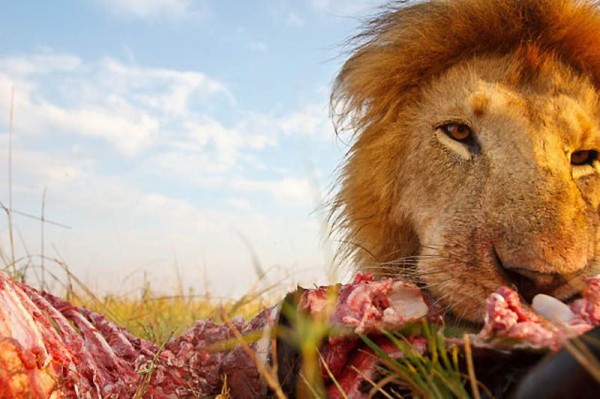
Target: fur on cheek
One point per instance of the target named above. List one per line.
(458, 270)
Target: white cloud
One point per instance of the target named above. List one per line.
(258, 46)
(136, 77)
(153, 9)
(294, 20)
(153, 114)
(213, 174)
(279, 10)
(311, 120)
(242, 204)
(60, 168)
(288, 190)
(130, 107)
(130, 131)
(43, 62)
(345, 7)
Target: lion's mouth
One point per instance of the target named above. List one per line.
(530, 283)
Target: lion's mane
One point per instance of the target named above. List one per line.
(403, 49)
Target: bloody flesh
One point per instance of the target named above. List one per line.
(52, 349)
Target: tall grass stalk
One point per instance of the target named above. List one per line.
(268, 373)
(436, 375)
(11, 240)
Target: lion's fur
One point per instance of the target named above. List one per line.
(538, 58)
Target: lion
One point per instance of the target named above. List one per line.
(476, 142)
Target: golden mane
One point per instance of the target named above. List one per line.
(403, 49)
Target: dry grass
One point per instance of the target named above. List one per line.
(157, 318)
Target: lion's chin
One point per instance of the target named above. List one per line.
(459, 291)
(461, 304)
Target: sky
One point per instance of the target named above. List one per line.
(176, 143)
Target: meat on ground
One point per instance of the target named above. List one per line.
(52, 349)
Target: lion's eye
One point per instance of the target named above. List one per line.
(458, 132)
(459, 138)
(585, 157)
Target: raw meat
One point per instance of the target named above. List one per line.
(509, 323)
(52, 349)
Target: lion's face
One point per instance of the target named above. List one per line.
(488, 178)
(505, 182)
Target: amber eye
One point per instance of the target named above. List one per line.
(585, 157)
(458, 131)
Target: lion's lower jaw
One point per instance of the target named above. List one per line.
(463, 309)
(462, 294)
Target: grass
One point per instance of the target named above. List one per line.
(436, 375)
(157, 318)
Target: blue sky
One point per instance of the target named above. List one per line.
(171, 134)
